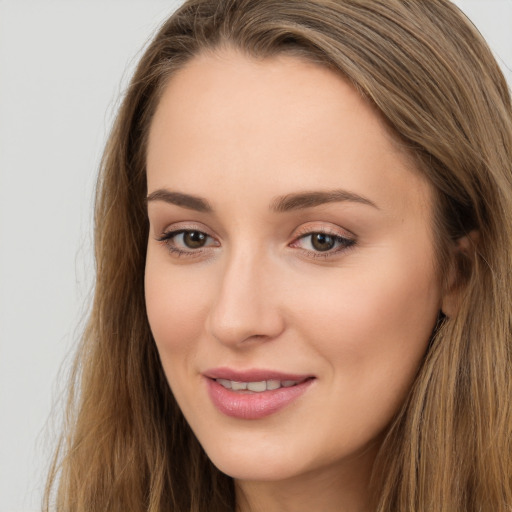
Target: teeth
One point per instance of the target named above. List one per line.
(225, 383)
(273, 384)
(257, 387)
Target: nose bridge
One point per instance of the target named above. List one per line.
(245, 307)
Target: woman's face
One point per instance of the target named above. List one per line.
(290, 280)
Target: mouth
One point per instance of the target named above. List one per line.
(259, 386)
(254, 394)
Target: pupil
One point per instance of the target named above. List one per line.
(194, 239)
(323, 242)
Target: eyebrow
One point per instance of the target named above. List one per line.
(305, 200)
(289, 202)
(184, 200)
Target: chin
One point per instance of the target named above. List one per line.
(256, 462)
(241, 469)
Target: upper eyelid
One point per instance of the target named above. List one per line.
(187, 226)
(328, 230)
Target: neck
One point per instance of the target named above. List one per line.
(332, 489)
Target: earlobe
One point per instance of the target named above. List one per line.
(461, 262)
(450, 303)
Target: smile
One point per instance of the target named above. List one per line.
(258, 386)
(255, 394)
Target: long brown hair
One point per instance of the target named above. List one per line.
(426, 69)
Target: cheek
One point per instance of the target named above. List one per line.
(176, 308)
(373, 326)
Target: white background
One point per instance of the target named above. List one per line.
(63, 65)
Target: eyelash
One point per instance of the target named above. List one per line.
(344, 243)
(168, 240)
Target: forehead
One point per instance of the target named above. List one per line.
(273, 124)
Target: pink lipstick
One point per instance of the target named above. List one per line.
(254, 394)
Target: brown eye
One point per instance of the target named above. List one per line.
(187, 242)
(194, 239)
(322, 241)
(318, 243)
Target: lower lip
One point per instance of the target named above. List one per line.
(252, 406)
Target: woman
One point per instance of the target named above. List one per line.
(303, 295)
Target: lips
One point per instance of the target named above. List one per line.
(254, 394)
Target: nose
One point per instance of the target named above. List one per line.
(246, 307)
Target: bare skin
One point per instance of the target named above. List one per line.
(337, 283)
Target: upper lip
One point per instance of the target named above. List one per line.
(253, 375)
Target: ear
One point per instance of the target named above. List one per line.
(462, 258)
